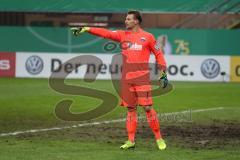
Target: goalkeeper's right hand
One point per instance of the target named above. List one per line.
(79, 30)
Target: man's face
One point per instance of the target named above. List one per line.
(130, 21)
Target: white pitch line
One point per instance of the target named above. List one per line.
(98, 123)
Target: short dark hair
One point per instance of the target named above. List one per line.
(137, 15)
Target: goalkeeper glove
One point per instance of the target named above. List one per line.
(79, 30)
(163, 79)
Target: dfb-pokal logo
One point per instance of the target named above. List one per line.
(210, 68)
(34, 65)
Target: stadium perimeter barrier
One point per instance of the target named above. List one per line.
(180, 67)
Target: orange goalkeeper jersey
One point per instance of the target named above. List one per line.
(136, 50)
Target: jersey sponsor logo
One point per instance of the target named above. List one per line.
(136, 47)
(210, 68)
(34, 65)
(125, 45)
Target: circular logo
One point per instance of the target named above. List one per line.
(34, 65)
(210, 68)
(125, 45)
(109, 46)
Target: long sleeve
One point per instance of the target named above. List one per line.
(101, 32)
(158, 53)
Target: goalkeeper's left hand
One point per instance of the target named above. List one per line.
(163, 79)
(79, 30)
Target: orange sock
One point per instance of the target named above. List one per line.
(153, 122)
(131, 125)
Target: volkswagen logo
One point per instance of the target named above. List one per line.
(34, 65)
(210, 68)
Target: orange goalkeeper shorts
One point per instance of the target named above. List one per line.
(133, 95)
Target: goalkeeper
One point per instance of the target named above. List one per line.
(137, 45)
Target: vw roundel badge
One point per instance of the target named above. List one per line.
(34, 65)
(210, 68)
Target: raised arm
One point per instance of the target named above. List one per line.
(105, 33)
(101, 32)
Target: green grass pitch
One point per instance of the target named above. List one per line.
(27, 104)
